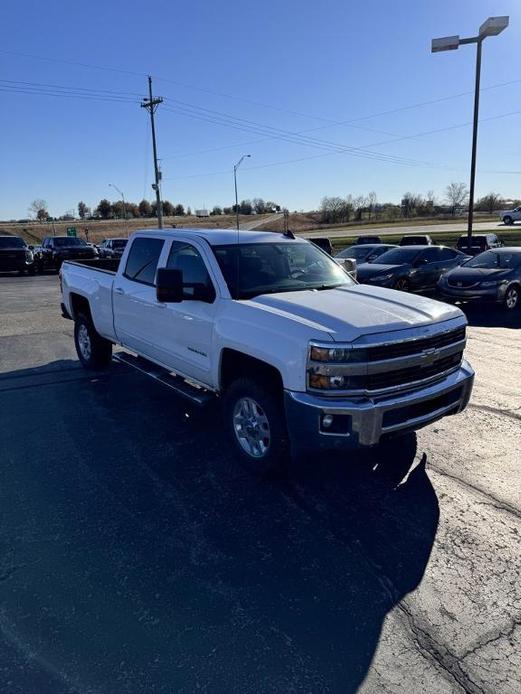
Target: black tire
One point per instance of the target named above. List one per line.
(272, 443)
(512, 298)
(508, 220)
(402, 284)
(94, 351)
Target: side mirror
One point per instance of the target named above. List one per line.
(169, 286)
(349, 265)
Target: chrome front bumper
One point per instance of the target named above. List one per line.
(365, 421)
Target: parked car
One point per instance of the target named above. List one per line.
(365, 253)
(410, 268)
(15, 255)
(301, 357)
(323, 243)
(361, 240)
(112, 248)
(55, 249)
(510, 216)
(494, 275)
(416, 240)
(480, 243)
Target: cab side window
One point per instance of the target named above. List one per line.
(143, 259)
(185, 257)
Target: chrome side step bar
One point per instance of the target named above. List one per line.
(196, 395)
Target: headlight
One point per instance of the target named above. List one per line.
(335, 382)
(328, 367)
(494, 283)
(382, 278)
(29, 255)
(336, 355)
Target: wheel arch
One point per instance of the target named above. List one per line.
(235, 364)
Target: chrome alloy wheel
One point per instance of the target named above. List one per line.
(84, 342)
(251, 427)
(512, 297)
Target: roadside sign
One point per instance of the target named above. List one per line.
(71, 231)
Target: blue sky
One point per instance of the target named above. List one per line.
(281, 67)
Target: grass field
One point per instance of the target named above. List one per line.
(510, 237)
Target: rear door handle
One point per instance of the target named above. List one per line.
(119, 290)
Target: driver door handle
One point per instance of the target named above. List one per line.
(119, 290)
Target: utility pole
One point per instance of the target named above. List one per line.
(151, 105)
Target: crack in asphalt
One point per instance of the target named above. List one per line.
(439, 653)
(496, 410)
(425, 643)
(506, 632)
(490, 499)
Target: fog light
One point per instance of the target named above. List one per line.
(327, 421)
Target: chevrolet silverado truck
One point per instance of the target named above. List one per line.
(300, 355)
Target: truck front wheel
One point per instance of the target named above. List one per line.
(256, 425)
(93, 351)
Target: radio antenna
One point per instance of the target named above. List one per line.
(236, 166)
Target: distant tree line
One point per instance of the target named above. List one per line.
(338, 210)
(333, 210)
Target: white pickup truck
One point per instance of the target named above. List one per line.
(510, 216)
(301, 355)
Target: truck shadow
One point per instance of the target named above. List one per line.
(223, 582)
(491, 316)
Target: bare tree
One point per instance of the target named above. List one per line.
(489, 203)
(371, 204)
(38, 210)
(456, 195)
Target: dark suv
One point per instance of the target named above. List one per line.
(15, 255)
(480, 243)
(112, 248)
(55, 249)
(416, 240)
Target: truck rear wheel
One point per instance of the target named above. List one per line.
(94, 351)
(256, 424)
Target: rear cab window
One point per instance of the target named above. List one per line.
(142, 260)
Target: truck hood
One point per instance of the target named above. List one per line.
(350, 312)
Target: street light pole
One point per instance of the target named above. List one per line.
(491, 27)
(124, 204)
(236, 166)
(474, 145)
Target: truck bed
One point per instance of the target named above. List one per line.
(103, 264)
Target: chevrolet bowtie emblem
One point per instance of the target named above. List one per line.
(429, 356)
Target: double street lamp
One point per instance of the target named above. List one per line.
(244, 156)
(492, 27)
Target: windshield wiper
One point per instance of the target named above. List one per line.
(327, 286)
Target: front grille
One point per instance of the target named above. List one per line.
(464, 284)
(401, 377)
(403, 349)
(375, 369)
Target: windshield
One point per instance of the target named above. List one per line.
(266, 268)
(119, 244)
(68, 241)
(491, 260)
(398, 256)
(11, 242)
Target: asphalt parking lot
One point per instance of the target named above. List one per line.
(137, 557)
